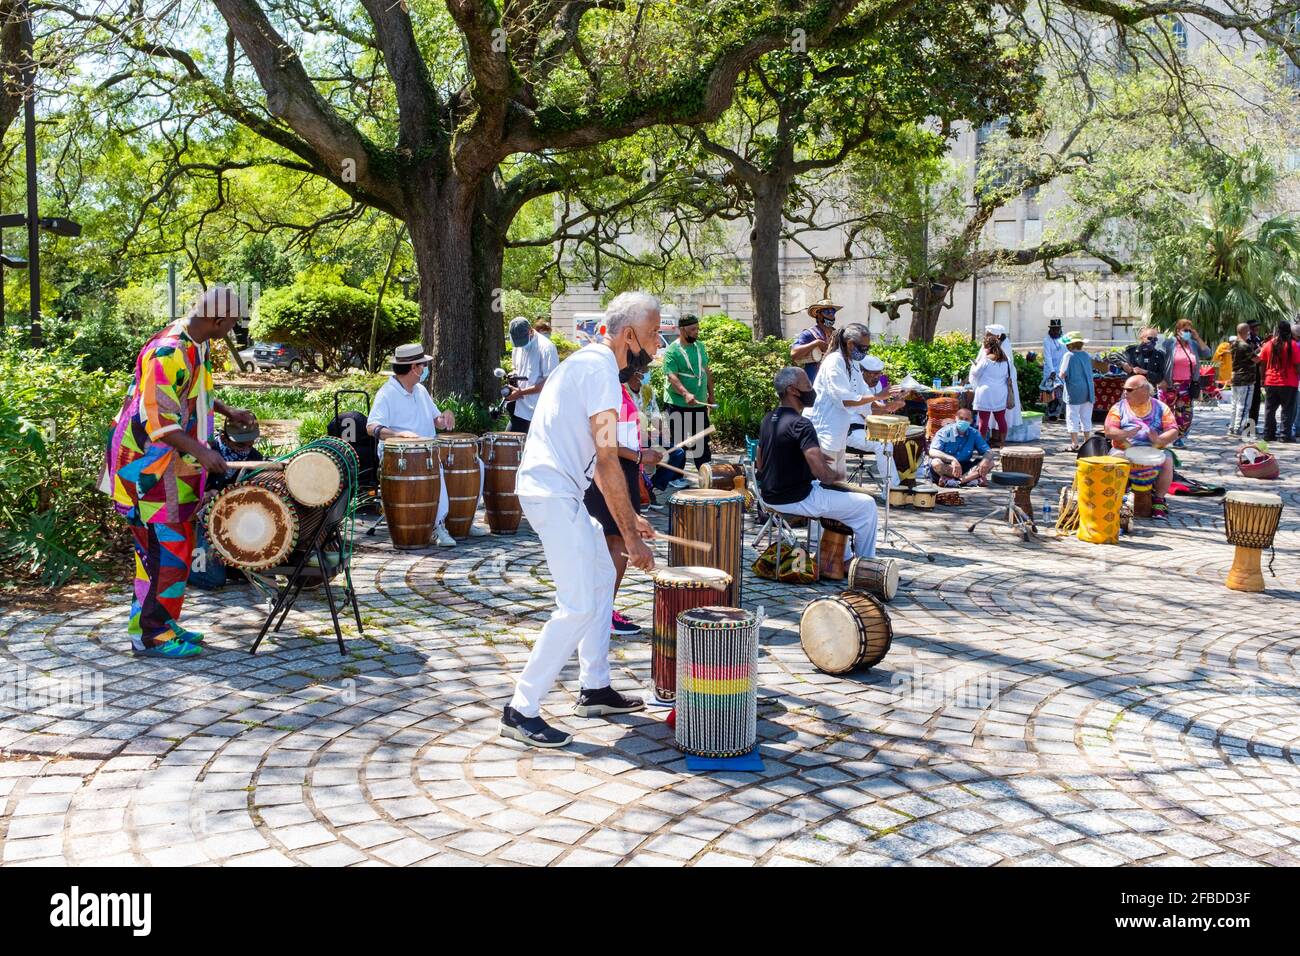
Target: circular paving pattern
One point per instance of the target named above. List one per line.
(1043, 703)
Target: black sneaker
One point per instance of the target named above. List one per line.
(605, 701)
(532, 731)
(622, 626)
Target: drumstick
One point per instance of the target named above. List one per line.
(664, 464)
(683, 542)
(698, 435)
(254, 464)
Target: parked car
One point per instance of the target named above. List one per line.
(276, 355)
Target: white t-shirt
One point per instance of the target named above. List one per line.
(396, 408)
(534, 363)
(560, 454)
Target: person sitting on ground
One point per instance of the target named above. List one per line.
(1141, 419)
(793, 469)
(881, 403)
(1080, 394)
(952, 453)
(235, 442)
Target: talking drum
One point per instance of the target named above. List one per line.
(846, 632)
(410, 487)
(909, 453)
(1145, 463)
(713, 517)
(938, 412)
(1100, 482)
(677, 590)
(833, 544)
(878, 576)
(1028, 461)
(501, 452)
(253, 525)
(717, 682)
(1250, 521)
(459, 454)
(887, 428)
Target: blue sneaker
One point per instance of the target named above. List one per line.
(532, 731)
(175, 649)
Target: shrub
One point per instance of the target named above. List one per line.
(333, 320)
(949, 356)
(54, 422)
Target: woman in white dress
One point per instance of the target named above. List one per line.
(992, 378)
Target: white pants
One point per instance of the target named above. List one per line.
(579, 562)
(1078, 418)
(856, 511)
(885, 466)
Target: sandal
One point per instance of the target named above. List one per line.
(175, 649)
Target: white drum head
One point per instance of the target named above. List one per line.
(831, 635)
(1145, 455)
(1254, 498)
(313, 478)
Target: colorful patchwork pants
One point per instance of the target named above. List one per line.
(162, 568)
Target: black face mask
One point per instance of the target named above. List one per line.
(1147, 345)
(634, 363)
(808, 398)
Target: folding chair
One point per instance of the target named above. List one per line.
(776, 526)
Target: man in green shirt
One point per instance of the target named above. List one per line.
(688, 389)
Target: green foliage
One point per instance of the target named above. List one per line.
(1028, 377)
(330, 319)
(54, 420)
(949, 355)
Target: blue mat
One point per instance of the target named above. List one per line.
(750, 761)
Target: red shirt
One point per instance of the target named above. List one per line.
(1286, 376)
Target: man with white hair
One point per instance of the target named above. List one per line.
(573, 438)
(872, 369)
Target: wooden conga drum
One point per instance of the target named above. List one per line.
(459, 454)
(1100, 484)
(409, 487)
(717, 682)
(501, 453)
(846, 632)
(1250, 521)
(712, 516)
(254, 525)
(830, 549)
(1028, 461)
(677, 590)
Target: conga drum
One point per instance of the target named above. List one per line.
(717, 682)
(910, 452)
(1100, 482)
(714, 517)
(846, 632)
(878, 576)
(1145, 463)
(939, 411)
(459, 454)
(409, 488)
(501, 453)
(253, 524)
(677, 590)
(1250, 520)
(830, 549)
(1028, 461)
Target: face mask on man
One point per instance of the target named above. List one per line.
(963, 426)
(809, 398)
(424, 374)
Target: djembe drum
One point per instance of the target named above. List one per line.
(1250, 520)
(254, 525)
(318, 472)
(409, 487)
(1145, 463)
(459, 454)
(890, 429)
(717, 682)
(722, 476)
(878, 576)
(1100, 486)
(677, 590)
(713, 517)
(939, 411)
(830, 549)
(909, 453)
(846, 632)
(1028, 461)
(501, 453)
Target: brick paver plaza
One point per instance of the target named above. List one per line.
(1044, 703)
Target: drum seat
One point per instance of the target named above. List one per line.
(1010, 479)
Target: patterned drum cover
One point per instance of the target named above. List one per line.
(717, 682)
(1101, 483)
(677, 590)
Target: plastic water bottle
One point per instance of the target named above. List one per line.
(1047, 514)
(936, 383)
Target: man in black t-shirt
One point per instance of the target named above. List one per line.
(791, 466)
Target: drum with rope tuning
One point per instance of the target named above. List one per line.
(845, 633)
(717, 682)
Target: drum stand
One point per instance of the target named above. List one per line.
(906, 543)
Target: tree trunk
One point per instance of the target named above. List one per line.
(925, 313)
(459, 265)
(765, 256)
